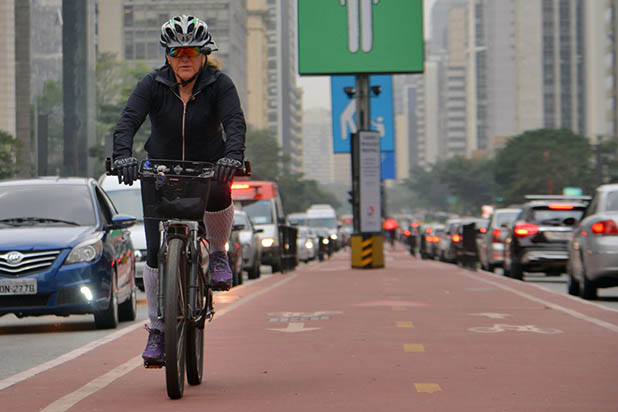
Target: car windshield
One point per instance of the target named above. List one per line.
(241, 219)
(556, 217)
(505, 218)
(128, 202)
(45, 204)
(612, 201)
(260, 211)
(329, 222)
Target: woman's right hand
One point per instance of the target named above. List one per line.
(126, 168)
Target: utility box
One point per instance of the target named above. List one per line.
(367, 251)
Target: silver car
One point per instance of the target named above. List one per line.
(593, 247)
(491, 243)
(306, 244)
(250, 243)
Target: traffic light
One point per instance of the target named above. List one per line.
(351, 197)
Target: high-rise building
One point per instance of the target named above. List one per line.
(256, 110)
(15, 78)
(45, 43)
(318, 163)
(131, 30)
(601, 68)
(284, 98)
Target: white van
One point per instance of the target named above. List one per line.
(128, 200)
(324, 215)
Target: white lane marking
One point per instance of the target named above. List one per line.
(66, 402)
(491, 315)
(294, 327)
(571, 312)
(27, 374)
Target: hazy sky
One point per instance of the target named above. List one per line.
(316, 89)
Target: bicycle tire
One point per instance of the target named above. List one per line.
(195, 339)
(175, 330)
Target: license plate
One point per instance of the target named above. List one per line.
(18, 287)
(557, 235)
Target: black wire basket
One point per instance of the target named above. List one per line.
(175, 189)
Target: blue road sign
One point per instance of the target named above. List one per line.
(387, 165)
(344, 112)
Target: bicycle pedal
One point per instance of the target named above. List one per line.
(157, 365)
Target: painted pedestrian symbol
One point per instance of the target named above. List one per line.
(362, 31)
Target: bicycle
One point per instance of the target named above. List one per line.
(181, 193)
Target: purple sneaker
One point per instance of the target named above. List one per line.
(220, 270)
(154, 354)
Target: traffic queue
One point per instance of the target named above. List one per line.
(554, 235)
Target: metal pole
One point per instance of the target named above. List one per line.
(362, 123)
(599, 161)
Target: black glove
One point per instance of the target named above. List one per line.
(126, 168)
(225, 169)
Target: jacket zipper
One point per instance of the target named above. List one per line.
(184, 113)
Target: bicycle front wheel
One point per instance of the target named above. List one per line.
(195, 337)
(175, 319)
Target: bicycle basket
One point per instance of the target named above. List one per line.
(175, 189)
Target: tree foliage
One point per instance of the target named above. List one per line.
(543, 161)
(8, 153)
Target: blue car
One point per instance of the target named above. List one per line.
(64, 249)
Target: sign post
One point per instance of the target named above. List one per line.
(362, 37)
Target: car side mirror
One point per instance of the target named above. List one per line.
(259, 230)
(122, 221)
(238, 227)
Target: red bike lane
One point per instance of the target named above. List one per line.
(415, 336)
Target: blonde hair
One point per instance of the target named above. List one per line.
(214, 62)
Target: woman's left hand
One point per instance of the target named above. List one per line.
(225, 169)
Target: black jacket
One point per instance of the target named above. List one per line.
(215, 103)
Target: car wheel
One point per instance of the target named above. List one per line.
(254, 270)
(108, 318)
(128, 309)
(516, 271)
(588, 288)
(572, 285)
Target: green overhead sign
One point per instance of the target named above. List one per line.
(360, 36)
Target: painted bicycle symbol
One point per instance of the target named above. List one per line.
(502, 327)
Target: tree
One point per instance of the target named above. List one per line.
(471, 181)
(429, 192)
(543, 161)
(50, 103)
(8, 155)
(264, 153)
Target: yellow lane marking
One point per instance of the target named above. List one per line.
(398, 308)
(413, 347)
(405, 324)
(427, 387)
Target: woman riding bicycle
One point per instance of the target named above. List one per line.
(191, 104)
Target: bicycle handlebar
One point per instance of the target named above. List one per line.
(153, 167)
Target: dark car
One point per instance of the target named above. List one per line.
(64, 249)
(593, 249)
(537, 240)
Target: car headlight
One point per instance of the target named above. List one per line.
(309, 244)
(268, 242)
(325, 241)
(333, 236)
(87, 251)
(227, 246)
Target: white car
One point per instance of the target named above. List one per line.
(306, 244)
(128, 200)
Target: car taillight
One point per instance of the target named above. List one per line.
(483, 230)
(407, 233)
(605, 227)
(561, 207)
(456, 238)
(525, 229)
(496, 236)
